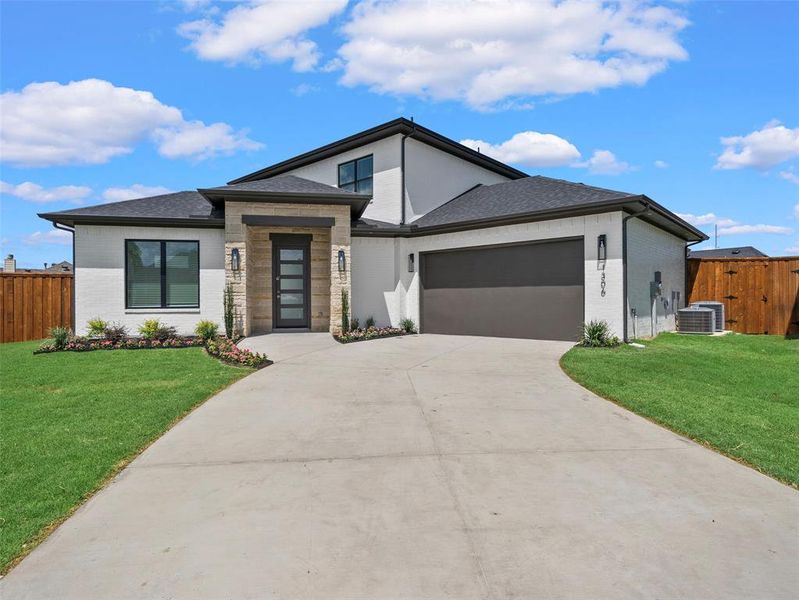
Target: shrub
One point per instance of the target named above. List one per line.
(345, 311)
(153, 329)
(96, 327)
(355, 323)
(149, 328)
(596, 334)
(61, 337)
(370, 322)
(206, 330)
(408, 326)
(115, 332)
(229, 310)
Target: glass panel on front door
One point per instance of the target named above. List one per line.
(291, 268)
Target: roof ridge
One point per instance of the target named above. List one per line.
(581, 184)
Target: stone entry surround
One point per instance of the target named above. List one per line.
(252, 284)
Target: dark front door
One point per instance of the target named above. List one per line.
(530, 290)
(291, 280)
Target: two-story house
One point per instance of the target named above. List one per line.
(403, 221)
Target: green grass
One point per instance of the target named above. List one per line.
(69, 421)
(738, 394)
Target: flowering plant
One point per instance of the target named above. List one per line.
(368, 333)
(226, 350)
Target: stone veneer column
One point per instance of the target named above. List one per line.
(238, 236)
(340, 281)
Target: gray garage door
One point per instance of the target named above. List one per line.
(523, 291)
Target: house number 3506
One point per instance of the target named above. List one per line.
(602, 285)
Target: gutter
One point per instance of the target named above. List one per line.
(640, 213)
(74, 267)
(402, 172)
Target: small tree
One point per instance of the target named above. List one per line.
(345, 311)
(230, 310)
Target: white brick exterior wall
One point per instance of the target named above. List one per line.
(398, 297)
(100, 276)
(651, 249)
(432, 177)
(385, 204)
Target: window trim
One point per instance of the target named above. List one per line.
(355, 180)
(163, 305)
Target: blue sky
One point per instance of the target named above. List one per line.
(694, 104)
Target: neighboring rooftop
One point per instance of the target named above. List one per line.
(397, 126)
(182, 207)
(737, 252)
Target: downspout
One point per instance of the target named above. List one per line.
(624, 263)
(402, 172)
(72, 231)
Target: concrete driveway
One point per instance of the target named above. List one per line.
(421, 467)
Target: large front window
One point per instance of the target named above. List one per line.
(356, 175)
(162, 274)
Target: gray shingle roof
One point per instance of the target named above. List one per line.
(176, 206)
(518, 197)
(284, 184)
(739, 252)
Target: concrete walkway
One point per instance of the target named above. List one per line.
(421, 467)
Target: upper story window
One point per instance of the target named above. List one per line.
(356, 175)
(162, 274)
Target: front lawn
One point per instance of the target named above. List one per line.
(69, 421)
(738, 394)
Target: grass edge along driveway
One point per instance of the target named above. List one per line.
(735, 393)
(70, 421)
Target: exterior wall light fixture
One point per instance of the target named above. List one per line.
(342, 261)
(602, 247)
(235, 260)
(411, 265)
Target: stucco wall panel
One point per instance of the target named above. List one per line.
(433, 177)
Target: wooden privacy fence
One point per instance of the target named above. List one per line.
(32, 303)
(760, 295)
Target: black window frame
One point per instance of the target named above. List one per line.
(163, 305)
(356, 180)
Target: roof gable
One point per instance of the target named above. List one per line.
(397, 126)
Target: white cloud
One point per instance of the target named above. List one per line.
(196, 140)
(33, 192)
(137, 190)
(661, 164)
(790, 175)
(529, 148)
(57, 237)
(483, 53)
(604, 162)
(738, 229)
(92, 121)
(268, 29)
(792, 249)
(303, 89)
(760, 149)
(727, 226)
(707, 219)
(796, 210)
